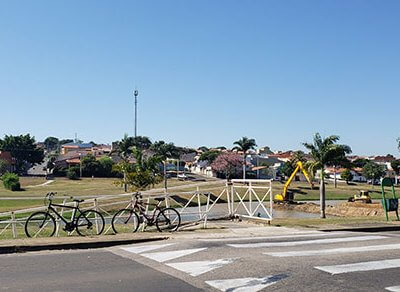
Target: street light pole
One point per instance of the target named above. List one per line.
(136, 93)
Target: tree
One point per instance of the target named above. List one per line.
(203, 148)
(227, 163)
(65, 141)
(141, 142)
(360, 162)
(23, 149)
(3, 166)
(287, 168)
(105, 167)
(398, 143)
(51, 143)
(244, 145)
(144, 173)
(209, 156)
(165, 150)
(325, 152)
(395, 164)
(373, 171)
(90, 166)
(347, 175)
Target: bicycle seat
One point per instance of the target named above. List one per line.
(159, 199)
(78, 201)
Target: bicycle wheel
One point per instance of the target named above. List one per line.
(40, 224)
(168, 220)
(125, 221)
(90, 223)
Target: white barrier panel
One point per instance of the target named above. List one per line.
(251, 198)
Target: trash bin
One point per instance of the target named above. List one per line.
(391, 204)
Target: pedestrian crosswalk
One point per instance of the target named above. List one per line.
(334, 251)
(305, 242)
(197, 259)
(362, 266)
(200, 267)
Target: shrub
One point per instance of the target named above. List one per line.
(72, 173)
(11, 181)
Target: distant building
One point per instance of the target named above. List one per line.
(76, 147)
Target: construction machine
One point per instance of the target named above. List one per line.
(363, 197)
(285, 196)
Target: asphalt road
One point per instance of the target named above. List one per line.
(303, 261)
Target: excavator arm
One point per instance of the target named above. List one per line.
(299, 167)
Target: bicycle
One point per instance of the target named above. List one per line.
(128, 220)
(43, 223)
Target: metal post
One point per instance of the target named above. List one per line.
(13, 225)
(59, 220)
(199, 202)
(250, 199)
(136, 93)
(96, 207)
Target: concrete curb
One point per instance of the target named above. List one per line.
(364, 229)
(74, 245)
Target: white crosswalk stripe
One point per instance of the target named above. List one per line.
(333, 250)
(144, 248)
(200, 267)
(313, 234)
(245, 284)
(393, 288)
(359, 267)
(305, 242)
(170, 255)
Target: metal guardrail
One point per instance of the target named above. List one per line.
(194, 206)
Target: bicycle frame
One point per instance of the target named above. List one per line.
(75, 208)
(140, 206)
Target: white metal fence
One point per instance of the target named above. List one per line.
(197, 206)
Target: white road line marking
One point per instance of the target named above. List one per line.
(273, 237)
(169, 255)
(393, 288)
(359, 267)
(303, 242)
(200, 267)
(144, 248)
(245, 284)
(302, 253)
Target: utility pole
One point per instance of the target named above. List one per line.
(136, 93)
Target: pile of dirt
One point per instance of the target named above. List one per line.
(345, 209)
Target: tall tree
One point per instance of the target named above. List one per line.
(325, 152)
(144, 173)
(51, 143)
(244, 145)
(165, 150)
(209, 156)
(141, 142)
(23, 149)
(373, 171)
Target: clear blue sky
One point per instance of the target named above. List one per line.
(208, 71)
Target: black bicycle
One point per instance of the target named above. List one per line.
(128, 220)
(43, 223)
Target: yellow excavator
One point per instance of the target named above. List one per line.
(285, 197)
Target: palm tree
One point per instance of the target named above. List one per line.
(244, 145)
(325, 152)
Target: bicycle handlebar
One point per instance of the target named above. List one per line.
(49, 197)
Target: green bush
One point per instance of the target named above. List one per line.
(72, 173)
(11, 181)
